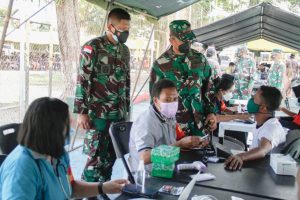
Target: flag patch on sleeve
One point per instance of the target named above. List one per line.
(88, 49)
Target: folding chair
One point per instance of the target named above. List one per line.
(8, 137)
(294, 149)
(292, 144)
(120, 134)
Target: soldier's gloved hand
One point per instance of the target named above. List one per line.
(83, 121)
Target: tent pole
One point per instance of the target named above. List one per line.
(50, 61)
(140, 89)
(106, 16)
(6, 23)
(142, 62)
(24, 68)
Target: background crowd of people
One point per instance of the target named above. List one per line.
(250, 74)
(38, 61)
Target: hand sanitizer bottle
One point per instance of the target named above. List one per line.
(140, 176)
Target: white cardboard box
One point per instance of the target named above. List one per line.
(283, 164)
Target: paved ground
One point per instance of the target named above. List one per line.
(38, 87)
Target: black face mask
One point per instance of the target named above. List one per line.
(184, 48)
(121, 35)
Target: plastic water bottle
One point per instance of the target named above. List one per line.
(239, 108)
(140, 176)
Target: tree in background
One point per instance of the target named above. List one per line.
(91, 18)
(68, 34)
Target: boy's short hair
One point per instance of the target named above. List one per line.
(231, 64)
(118, 14)
(272, 97)
(160, 85)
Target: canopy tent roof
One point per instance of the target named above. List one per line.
(263, 21)
(150, 8)
(264, 45)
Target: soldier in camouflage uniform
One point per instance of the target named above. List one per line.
(103, 93)
(190, 71)
(244, 74)
(216, 69)
(277, 71)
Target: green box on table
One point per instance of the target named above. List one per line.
(163, 160)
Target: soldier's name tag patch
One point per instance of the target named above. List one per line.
(88, 49)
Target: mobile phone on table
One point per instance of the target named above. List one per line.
(136, 191)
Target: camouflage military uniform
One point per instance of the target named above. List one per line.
(102, 92)
(216, 71)
(191, 73)
(277, 72)
(213, 62)
(276, 75)
(244, 77)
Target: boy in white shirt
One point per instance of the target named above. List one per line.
(269, 134)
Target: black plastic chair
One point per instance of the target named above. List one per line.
(8, 137)
(120, 134)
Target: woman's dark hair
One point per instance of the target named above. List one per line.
(45, 127)
(160, 85)
(224, 83)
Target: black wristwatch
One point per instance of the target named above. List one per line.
(100, 188)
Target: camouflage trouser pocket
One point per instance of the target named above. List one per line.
(91, 142)
(94, 136)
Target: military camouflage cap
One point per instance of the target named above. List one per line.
(242, 49)
(211, 51)
(182, 30)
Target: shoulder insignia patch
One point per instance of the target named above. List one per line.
(88, 49)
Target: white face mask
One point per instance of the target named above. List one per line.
(227, 96)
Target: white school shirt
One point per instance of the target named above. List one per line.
(272, 131)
